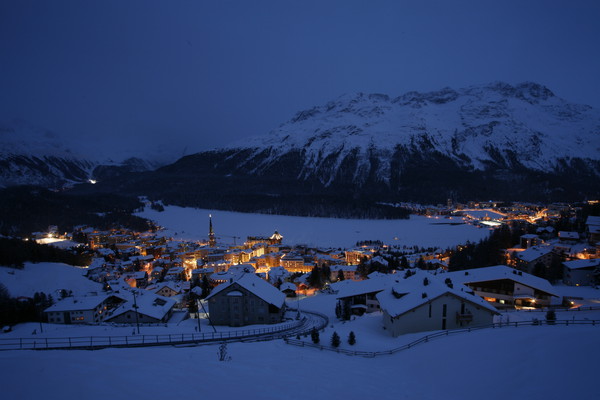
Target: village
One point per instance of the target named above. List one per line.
(148, 279)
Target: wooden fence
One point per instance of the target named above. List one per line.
(432, 336)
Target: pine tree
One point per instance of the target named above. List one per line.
(351, 338)
(314, 279)
(338, 310)
(206, 288)
(314, 335)
(404, 263)
(346, 311)
(335, 339)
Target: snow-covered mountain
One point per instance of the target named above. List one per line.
(496, 140)
(30, 155)
(477, 128)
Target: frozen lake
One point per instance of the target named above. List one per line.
(192, 224)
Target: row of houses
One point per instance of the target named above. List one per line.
(123, 307)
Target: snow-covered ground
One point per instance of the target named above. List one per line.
(48, 278)
(192, 224)
(540, 362)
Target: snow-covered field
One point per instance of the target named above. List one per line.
(192, 224)
(545, 362)
(46, 277)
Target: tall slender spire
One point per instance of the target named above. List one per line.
(212, 242)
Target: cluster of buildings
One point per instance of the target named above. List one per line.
(146, 277)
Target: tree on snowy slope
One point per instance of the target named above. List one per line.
(335, 339)
(351, 338)
(314, 335)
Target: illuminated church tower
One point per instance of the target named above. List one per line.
(212, 242)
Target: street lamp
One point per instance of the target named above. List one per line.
(198, 314)
(135, 306)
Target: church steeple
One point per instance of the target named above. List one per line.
(212, 242)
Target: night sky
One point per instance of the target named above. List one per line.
(194, 75)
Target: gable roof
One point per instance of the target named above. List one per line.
(500, 272)
(79, 303)
(148, 303)
(374, 284)
(579, 264)
(254, 285)
(410, 293)
(534, 252)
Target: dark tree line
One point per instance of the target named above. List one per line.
(18, 310)
(488, 251)
(26, 209)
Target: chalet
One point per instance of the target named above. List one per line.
(530, 240)
(568, 237)
(82, 310)
(149, 307)
(288, 288)
(592, 227)
(581, 272)
(360, 296)
(136, 279)
(167, 289)
(278, 274)
(505, 287)
(526, 260)
(199, 273)
(176, 274)
(426, 302)
(348, 271)
(246, 301)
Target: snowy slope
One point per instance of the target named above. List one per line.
(47, 278)
(496, 124)
(556, 362)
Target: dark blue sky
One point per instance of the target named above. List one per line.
(203, 74)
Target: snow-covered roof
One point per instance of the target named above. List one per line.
(340, 267)
(174, 287)
(499, 272)
(255, 285)
(148, 303)
(568, 235)
(542, 229)
(593, 220)
(579, 264)
(287, 286)
(380, 260)
(534, 253)
(349, 288)
(78, 303)
(410, 293)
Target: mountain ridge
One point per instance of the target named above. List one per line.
(476, 126)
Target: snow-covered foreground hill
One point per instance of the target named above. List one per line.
(549, 362)
(46, 277)
(192, 224)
